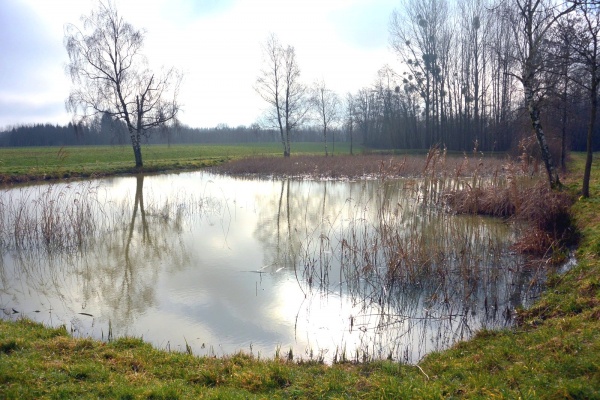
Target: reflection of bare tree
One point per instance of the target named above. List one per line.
(278, 248)
(128, 289)
(129, 258)
(293, 217)
(274, 231)
(138, 204)
(136, 294)
(113, 275)
(417, 278)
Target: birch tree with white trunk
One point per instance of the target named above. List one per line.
(111, 76)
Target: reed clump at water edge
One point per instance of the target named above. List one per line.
(544, 211)
(513, 194)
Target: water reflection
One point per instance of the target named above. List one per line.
(401, 278)
(336, 270)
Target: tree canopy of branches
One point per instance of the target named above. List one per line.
(487, 74)
(454, 88)
(327, 107)
(279, 85)
(110, 76)
(581, 35)
(532, 21)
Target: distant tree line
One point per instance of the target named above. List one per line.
(112, 132)
(373, 128)
(390, 114)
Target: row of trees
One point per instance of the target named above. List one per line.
(483, 73)
(111, 81)
(487, 72)
(472, 73)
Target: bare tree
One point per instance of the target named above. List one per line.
(586, 48)
(350, 119)
(111, 77)
(564, 36)
(472, 61)
(531, 21)
(420, 36)
(327, 106)
(503, 83)
(279, 85)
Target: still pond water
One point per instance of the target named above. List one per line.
(327, 269)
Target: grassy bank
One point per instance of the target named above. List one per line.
(45, 163)
(553, 353)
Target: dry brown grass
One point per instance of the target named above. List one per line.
(354, 167)
(545, 212)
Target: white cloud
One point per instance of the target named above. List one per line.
(217, 44)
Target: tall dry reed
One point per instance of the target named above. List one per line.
(54, 217)
(517, 196)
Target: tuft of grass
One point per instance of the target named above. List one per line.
(10, 345)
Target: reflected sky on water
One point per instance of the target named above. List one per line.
(361, 269)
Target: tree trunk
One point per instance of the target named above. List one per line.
(563, 139)
(285, 153)
(137, 150)
(565, 115)
(332, 143)
(351, 138)
(534, 114)
(287, 147)
(585, 191)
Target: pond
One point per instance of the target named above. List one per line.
(326, 270)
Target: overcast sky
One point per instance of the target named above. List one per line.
(216, 43)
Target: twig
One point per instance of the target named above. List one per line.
(421, 369)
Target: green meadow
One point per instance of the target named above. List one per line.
(44, 163)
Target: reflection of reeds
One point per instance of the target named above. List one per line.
(53, 217)
(65, 217)
(410, 266)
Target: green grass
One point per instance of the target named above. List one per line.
(553, 354)
(44, 163)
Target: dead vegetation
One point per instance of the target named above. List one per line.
(344, 167)
(464, 184)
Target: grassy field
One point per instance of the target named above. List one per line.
(553, 353)
(44, 163)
